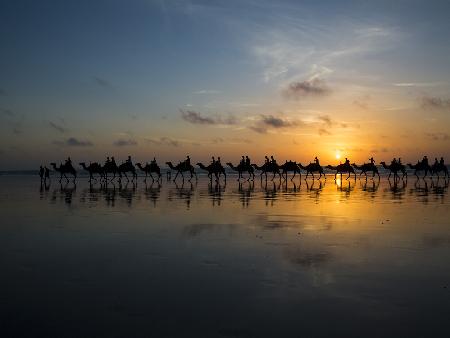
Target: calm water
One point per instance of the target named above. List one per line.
(236, 260)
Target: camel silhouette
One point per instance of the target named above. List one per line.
(290, 166)
(439, 167)
(93, 168)
(342, 168)
(149, 169)
(214, 168)
(365, 168)
(182, 167)
(395, 168)
(64, 169)
(242, 167)
(268, 167)
(420, 166)
(312, 168)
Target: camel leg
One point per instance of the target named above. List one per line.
(176, 176)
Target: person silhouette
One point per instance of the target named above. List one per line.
(153, 162)
(68, 161)
(425, 160)
(41, 172)
(347, 161)
(436, 162)
(46, 173)
(316, 160)
(399, 160)
(188, 161)
(273, 161)
(213, 161)
(128, 159)
(372, 161)
(394, 161)
(247, 161)
(218, 160)
(113, 161)
(242, 160)
(266, 161)
(441, 162)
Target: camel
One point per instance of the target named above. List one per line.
(312, 168)
(127, 167)
(342, 168)
(395, 168)
(182, 167)
(214, 168)
(365, 168)
(420, 166)
(438, 167)
(94, 168)
(290, 166)
(268, 168)
(241, 168)
(65, 169)
(149, 169)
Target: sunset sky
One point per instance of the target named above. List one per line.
(169, 78)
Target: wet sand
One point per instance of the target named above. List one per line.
(362, 259)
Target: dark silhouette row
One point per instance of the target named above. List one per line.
(110, 170)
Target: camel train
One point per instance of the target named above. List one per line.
(110, 170)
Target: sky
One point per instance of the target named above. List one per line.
(166, 79)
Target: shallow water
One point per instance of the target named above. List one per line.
(350, 258)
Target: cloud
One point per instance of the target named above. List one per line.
(207, 91)
(418, 84)
(438, 136)
(323, 131)
(432, 102)
(194, 117)
(164, 141)
(313, 87)
(124, 142)
(102, 82)
(325, 119)
(57, 127)
(74, 142)
(275, 122)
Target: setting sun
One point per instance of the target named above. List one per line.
(338, 155)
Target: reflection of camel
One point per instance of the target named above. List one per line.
(290, 166)
(242, 168)
(182, 167)
(312, 168)
(214, 168)
(341, 169)
(420, 166)
(149, 169)
(268, 168)
(65, 169)
(394, 168)
(365, 168)
(94, 168)
(437, 168)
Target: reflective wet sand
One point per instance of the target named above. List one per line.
(351, 258)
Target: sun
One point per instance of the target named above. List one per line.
(338, 155)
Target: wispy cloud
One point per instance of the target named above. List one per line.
(314, 87)
(195, 117)
(74, 142)
(57, 127)
(418, 84)
(431, 102)
(102, 82)
(325, 119)
(438, 136)
(124, 142)
(164, 141)
(323, 131)
(266, 122)
(207, 91)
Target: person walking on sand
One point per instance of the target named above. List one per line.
(41, 172)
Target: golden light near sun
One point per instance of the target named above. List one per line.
(338, 155)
